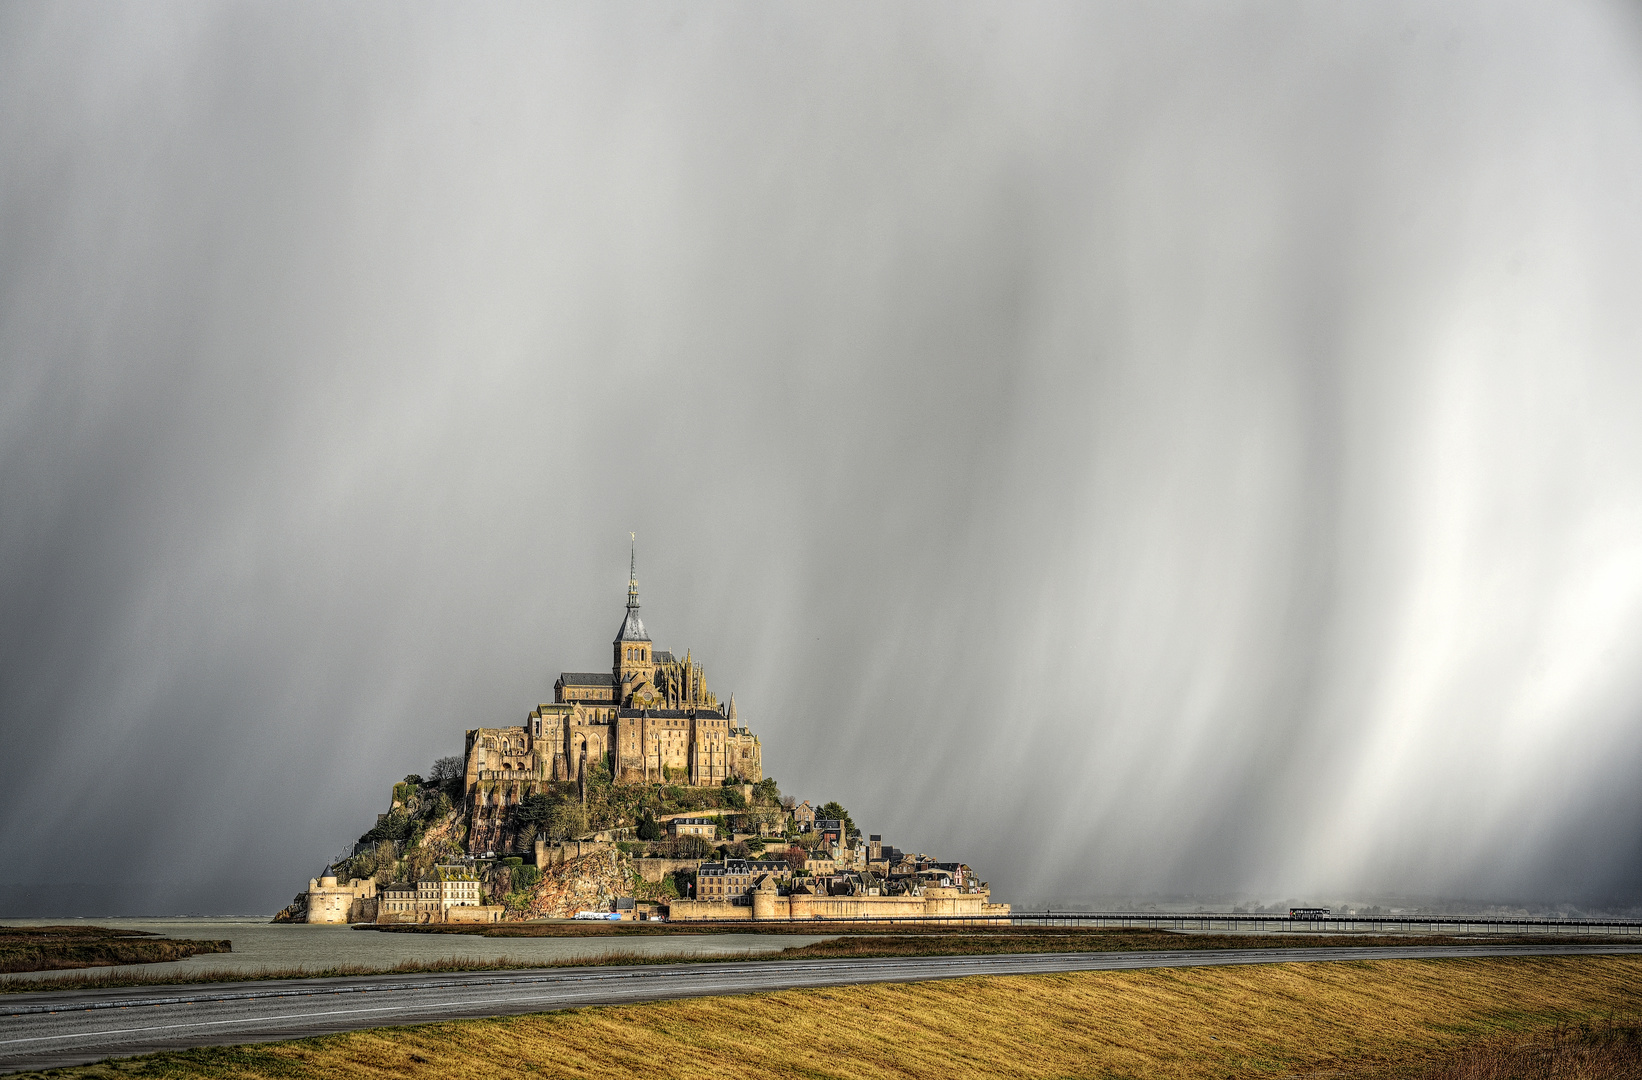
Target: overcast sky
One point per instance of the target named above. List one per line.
(1139, 450)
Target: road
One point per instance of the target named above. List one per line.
(50, 1029)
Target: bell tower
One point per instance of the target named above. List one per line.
(634, 666)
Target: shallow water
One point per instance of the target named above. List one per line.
(260, 944)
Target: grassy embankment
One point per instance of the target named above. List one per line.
(1379, 1019)
(928, 941)
(50, 948)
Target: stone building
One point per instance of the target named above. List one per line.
(329, 902)
(650, 719)
(706, 828)
(448, 894)
(764, 902)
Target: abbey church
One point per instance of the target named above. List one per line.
(650, 719)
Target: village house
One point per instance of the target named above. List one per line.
(692, 826)
(726, 881)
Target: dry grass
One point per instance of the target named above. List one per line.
(921, 943)
(51, 948)
(108, 980)
(1588, 1051)
(1365, 1019)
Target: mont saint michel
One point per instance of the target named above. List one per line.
(636, 793)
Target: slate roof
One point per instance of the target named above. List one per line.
(632, 627)
(669, 714)
(587, 678)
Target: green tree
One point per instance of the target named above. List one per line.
(836, 812)
(649, 828)
(566, 820)
(395, 825)
(535, 810)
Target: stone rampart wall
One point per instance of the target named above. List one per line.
(805, 908)
(697, 910)
(656, 870)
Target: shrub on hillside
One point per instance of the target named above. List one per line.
(396, 825)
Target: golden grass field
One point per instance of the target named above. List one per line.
(1388, 1018)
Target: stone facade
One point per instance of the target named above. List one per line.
(336, 904)
(765, 903)
(450, 894)
(651, 719)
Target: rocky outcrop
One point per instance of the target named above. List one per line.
(590, 883)
(294, 912)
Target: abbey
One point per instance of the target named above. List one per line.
(651, 719)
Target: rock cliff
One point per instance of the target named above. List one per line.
(590, 883)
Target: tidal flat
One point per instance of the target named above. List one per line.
(260, 946)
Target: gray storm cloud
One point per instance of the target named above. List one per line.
(1140, 451)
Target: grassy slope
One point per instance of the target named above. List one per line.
(1374, 1018)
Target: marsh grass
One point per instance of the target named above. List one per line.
(52, 948)
(109, 980)
(854, 946)
(1379, 1019)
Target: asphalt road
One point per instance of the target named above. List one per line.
(49, 1029)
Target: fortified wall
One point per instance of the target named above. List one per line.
(767, 905)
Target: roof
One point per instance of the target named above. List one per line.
(661, 656)
(632, 627)
(672, 714)
(587, 678)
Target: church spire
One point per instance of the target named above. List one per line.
(633, 575)
(632, 627)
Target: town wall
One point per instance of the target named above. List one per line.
(701, 910)
(766, 906)
(655, 871)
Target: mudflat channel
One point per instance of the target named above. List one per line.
(259, 944)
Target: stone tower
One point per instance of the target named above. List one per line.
(634, 665)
